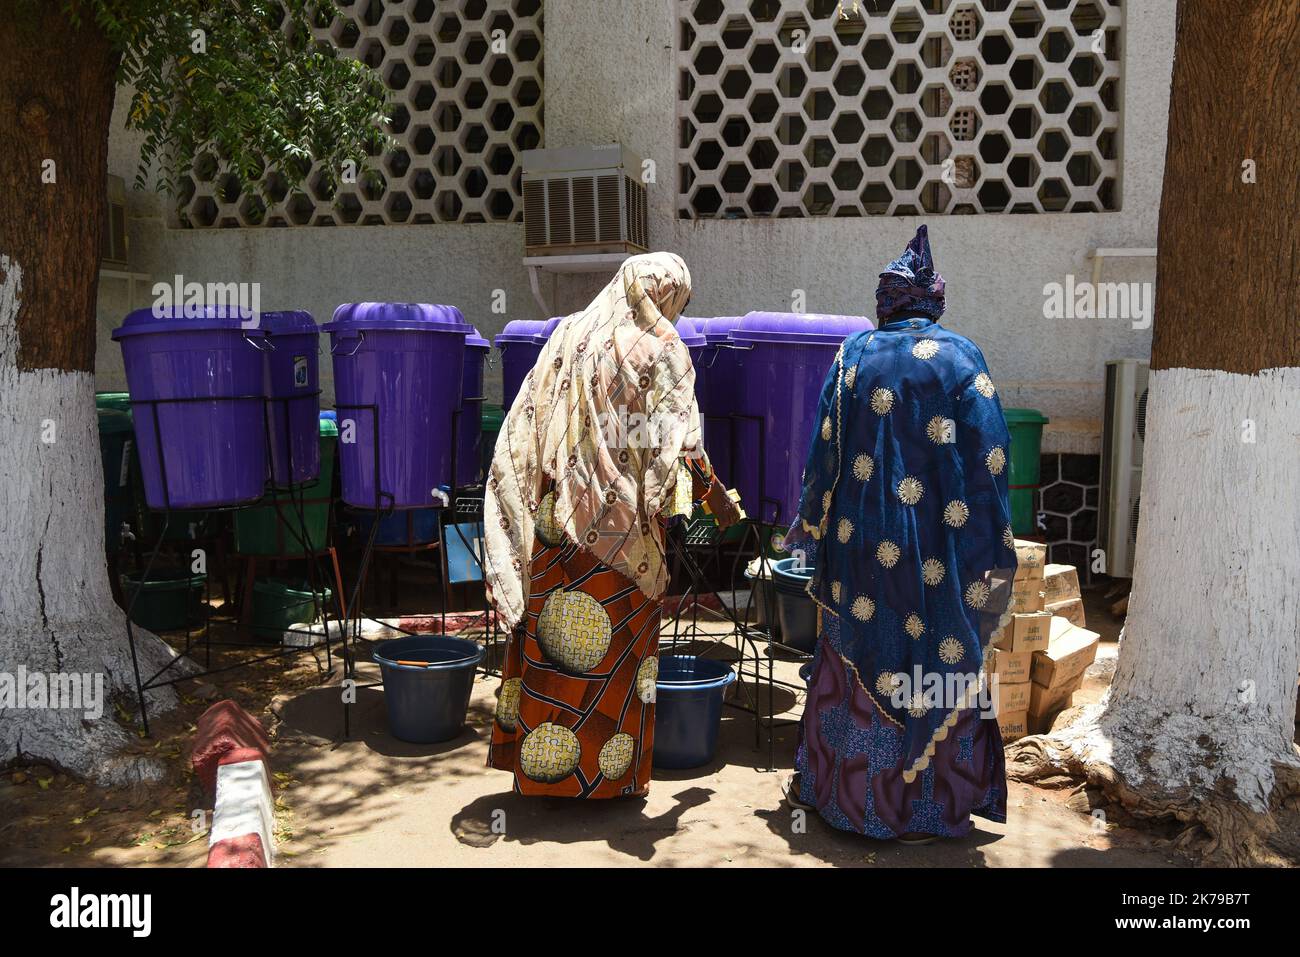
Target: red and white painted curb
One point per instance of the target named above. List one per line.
(230, 758)
(243, 817)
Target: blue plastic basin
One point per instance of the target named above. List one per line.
(794, 609)
(688, 709)
(427, 702)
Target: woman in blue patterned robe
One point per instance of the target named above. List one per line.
(904, 515)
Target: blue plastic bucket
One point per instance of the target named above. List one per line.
(427, 702)
(794, 609)
(411, 527)
(688, 709)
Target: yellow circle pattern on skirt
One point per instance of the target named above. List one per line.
(508, 703)
(550, 753)
(548, 529)
(574, 630)
(616, 756)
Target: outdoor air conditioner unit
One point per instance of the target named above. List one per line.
(583, 200)
(1124, 432)
(114, 249)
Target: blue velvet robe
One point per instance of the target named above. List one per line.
(905, 516)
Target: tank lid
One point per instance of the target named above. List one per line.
(1025, 417)
(188, 318)
(689, 333)
(716, 329)
(549, 327)
(474, 340)
(289, 322)
(798, 328)
(398, 317)
(519, 330)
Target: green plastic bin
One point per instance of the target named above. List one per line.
(118, 401)
(278, 605)
(168, 599)
(257, 531)
(116, 442)
(492, 418)
(1026, 427)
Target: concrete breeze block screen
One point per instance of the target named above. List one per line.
(463, 112)
(903, 107)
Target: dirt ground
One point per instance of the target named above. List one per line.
(371, 800)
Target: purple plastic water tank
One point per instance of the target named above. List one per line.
(787, 356)
(407, 359)
(520, 343)
(215, 450)
(717, 385)
(293, 385)
(470, 426)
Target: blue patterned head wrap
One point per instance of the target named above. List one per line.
(910, 284)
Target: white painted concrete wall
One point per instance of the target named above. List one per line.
(610, 78)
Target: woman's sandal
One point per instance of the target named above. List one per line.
(790, 791)
(913, 839)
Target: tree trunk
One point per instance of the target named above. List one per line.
(1198, 725)
(57, 616)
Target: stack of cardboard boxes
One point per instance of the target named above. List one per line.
(1039, 657)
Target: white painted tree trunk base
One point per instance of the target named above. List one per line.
(1198, 725)
(57, 614)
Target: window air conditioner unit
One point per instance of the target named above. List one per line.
(114, 248)
(583, 200)
(1124, 431)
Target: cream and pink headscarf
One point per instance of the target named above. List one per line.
(576, 422)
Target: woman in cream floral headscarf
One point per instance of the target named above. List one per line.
(602, 438)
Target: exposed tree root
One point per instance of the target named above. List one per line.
(87, 746)
(1230, 793)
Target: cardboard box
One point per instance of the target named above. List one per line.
(1070, 609)
(1013, 696)
(1061, 582)
(1031, 559)
(1070, 650)
(1026, 632)
(1009, 665)
(1044, 701)
(1014, 724)
(1026, 596)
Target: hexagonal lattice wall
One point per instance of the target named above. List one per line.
(462, 113)
(791, 108)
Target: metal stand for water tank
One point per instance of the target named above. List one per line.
(160, 678)
(459, 505)
(753, 641)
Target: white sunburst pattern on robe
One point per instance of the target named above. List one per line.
(916, 707)
(850, 377)
(955, 513)
(910, 490)
(826, 428)
(836, 590)
(996, 460)
(925, 349)
(977, 595)
(863, 608)
(951, 651)
(984, 385)
(844, 531)
(887, 553)
(914, 626)
(863, 466)
(1008, 537)
(882, 400)
(932, 571)
(886, 683)
(936, 430)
